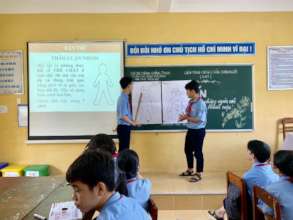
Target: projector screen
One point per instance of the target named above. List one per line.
(73, 88)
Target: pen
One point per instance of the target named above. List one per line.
(37, 216)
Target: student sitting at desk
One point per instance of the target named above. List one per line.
(91, 176)
(138, 188)
(283, 189)
(105, 142)
(260, 174)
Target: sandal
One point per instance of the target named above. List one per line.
(187, 173)
(214, 215)
(196, 177)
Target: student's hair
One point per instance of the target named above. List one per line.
(128, 162)
(91, 167)
(125, 81)
(103, 142)
(260, 150)
(192, 85)
(283, 160)
(121, 184)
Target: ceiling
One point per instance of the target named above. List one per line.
(143, 6)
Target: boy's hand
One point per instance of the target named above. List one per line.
(182, 117)
(135, 123)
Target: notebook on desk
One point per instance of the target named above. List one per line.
(64, 211)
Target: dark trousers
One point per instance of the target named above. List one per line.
(193, 147)
(123, 132)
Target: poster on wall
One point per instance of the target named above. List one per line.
(150, 104)
(174, 100)
(280, 67)
(11, 72)
(22, 116)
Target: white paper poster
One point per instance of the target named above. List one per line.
(150, 110)
(11, 72)
(280, 67)
(174, 100)
(22, 116)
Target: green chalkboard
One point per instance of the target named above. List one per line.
(226, 89)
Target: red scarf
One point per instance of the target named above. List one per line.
(131, 180)
(189, 106)
(115, 155)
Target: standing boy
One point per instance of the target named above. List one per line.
(124, 114)
(196, 116)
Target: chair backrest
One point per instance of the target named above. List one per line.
(153, 209)
(238, 182)
(269, 200)
(287, 125)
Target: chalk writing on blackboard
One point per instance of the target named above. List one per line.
(237, 113)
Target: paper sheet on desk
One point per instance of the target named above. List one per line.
(64, 211)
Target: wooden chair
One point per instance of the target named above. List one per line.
(153, 209)
(259, 193)
(238, 182)
(287, 125)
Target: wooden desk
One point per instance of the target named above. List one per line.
(19, 195)
(62, 193)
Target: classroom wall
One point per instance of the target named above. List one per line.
(162, 152)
